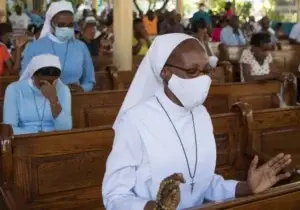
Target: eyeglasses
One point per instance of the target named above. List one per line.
(208, 70)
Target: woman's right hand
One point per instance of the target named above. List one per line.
(168, 195)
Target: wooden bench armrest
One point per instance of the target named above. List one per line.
(12, 198)
(6, 136)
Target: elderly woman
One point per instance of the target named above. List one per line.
(39, 101)
(164, 151)
(57, 38)
(256, 61)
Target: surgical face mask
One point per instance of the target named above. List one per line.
(190, 92)
(64, 33)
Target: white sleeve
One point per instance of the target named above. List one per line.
(220, 189)
(294, 32)
(120, 176)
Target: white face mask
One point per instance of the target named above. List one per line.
(190, 92)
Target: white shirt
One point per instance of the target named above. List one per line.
(146, 150)
(19, 23)
(295, 33)
(257, 69)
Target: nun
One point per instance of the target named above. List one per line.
(39, 101)
(164, 151)
(57, 38)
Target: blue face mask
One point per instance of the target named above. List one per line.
(64, 33)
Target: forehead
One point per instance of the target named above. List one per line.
(188, 54)
(64, 16)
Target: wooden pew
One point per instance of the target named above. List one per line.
(272, 131)
(100, 107)
(284, 197)
(61, 170)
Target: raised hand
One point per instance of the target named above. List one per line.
(49, 90)
(264, 177)
(168, 196)
(20, 42)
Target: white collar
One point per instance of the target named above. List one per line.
(169, 105)
(55, 39)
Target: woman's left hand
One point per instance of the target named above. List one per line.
(264, 177)
(75, 88)
(49, 90)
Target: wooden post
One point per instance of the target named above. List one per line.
(3, 10)
(94, 4)
(180, 7)
(123, 34)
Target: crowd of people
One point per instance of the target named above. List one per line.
(55, 58)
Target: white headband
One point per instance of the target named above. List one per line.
(54, 8)
(38, 62)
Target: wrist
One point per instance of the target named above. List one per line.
(243, 189)
(54, 100)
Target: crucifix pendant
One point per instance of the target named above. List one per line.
(192, 186)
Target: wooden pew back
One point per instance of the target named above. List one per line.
(273, 131)
(61, 170)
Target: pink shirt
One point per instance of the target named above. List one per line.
(216, 34)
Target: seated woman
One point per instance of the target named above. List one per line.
(141, 41)
(256, 61)
(57, 38)
(39, 101)
(164, 129)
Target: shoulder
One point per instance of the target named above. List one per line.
(142, 111)
(38, 42)
(63, 89)
(78, 42)
(16, 86)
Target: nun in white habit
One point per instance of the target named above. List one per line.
(164, 151)
(57, 38)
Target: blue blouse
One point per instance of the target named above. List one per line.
(28, 111)
(75, 58)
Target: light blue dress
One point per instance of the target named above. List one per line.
(28, 111)
(76, 62)
(230, 38)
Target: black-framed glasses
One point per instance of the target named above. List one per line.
(206, 70)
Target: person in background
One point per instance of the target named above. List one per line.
(10, 63)
(150, 21)
(228, 10)
(141, 41)
(202, 14)
(19, 21)
(88, 31)
(216, 32)
(171, 24)
(57, 38)
(232, 35)
(199, 29)
(279, 31)
(266, 28)
(166, 123)
(40, 91)
(294, 36)
(107, 35)
(257, 62)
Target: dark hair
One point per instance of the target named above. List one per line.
(260, 38)
(110, 18)
(199, 24)
(278, 25)
(38, 29)
(137, 21)
(50, 71)
(5, 28)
